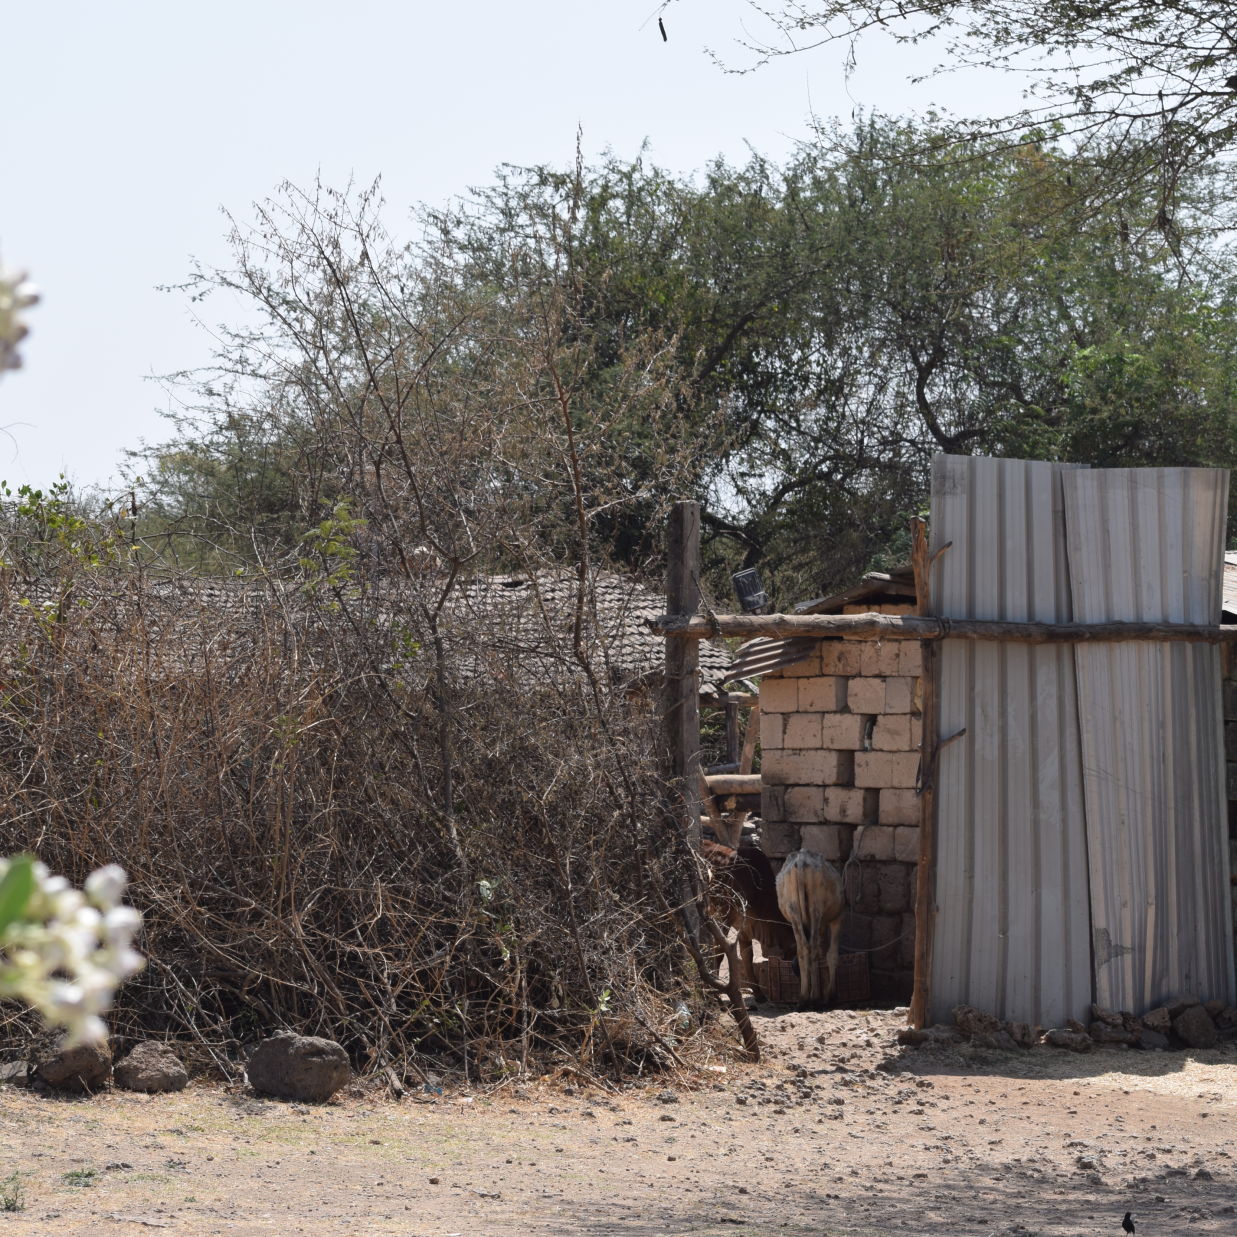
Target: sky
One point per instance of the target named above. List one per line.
(132, 127)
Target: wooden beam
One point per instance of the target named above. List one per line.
(686, 628)
(681, 691)
(734, 783)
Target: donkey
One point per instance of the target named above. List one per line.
(810, 896)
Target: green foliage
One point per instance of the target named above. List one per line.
(16, 888)
(577, 347)
(12, 1197)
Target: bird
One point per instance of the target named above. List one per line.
(665, 38)
(1127, 1223)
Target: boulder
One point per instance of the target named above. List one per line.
(971, 1021)
(1075, 1041)
(1150, 1039)
(1158, 1020)
(1022, 1033)
(1099, 1014)
(1194, 1028)
(1106, 1033)
(298, 1067)
(151, 1066)
(84, 1069)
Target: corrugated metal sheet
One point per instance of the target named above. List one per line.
(1147, 544)
(1012, 929)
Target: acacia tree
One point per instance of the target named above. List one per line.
(1155, 80)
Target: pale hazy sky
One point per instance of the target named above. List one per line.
(130, 125)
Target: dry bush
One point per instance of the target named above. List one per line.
(268, 764)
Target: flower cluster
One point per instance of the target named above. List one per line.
(16, 294)
(66, 951)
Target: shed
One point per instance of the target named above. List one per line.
(840, 735)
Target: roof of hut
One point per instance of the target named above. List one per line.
(763, 655)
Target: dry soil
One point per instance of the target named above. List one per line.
(837, 1131)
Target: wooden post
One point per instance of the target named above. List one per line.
(925, 872)
(681, 692)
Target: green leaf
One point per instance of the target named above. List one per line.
(15, 890)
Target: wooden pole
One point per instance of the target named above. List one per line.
(685, 628)
(681, 692)
(925, 872)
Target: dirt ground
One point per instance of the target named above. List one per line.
(838, 1131)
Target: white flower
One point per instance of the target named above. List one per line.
(68, 952)
(16, 294)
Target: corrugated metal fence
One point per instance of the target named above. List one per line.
(1080, 816)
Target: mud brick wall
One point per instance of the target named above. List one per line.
(840, 735)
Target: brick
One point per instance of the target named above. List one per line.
(874, 842)
(823, 694)
(895, 886)
(892, 733)
(857, 609)
(900, 695)
(906, 843)
(880, 658)
(779, 695)
(886, 929)
(771, 730)
(807, 768)
(809, 667)
(850, 806)
(805, 804)
(856, 931)
(910, 658)
(802, 730)
(863, 888)
(843, 730)
(898, 807)
(772, 802)
(881, 769)
(902, 607)
(840, 657)
(831, 841)
(779, 839)
(865, 695)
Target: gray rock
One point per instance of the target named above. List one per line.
(1021, 1033)
(1158, 1020)
(14, 1071)
(1195, 1028)
(298, 1067)
(151, 1067)
(1099, 1014)
(1106, 1033)
(84, 1069)
(1076, 1041)
(1179, 1004)
(1149, 1039)
(971, 1021)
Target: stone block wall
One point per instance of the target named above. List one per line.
(840, 737)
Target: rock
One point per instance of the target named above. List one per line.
(1022, 1033)
(1158, 1020)
(1106, 1033)
(912, 1036)
(1195, 1028)
(151, 1066)
(1099, 1014)
(1130, 1022)
(86, 1068)
(1226, 1019)
(1213, 1008)
(1149, 1039)
(971, 1021)
(1076, 1041)
(667, 1097)
(1203, 1175)
(1179, 1004)
(14, 1071)
(298, 1067)
(1072, 1024)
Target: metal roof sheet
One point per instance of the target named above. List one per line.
(1147, 544)
(1012, 925)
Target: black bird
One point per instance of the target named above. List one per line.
(665, 38)
(1127, 1223)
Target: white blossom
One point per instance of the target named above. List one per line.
(68, 951)
(16, 294)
